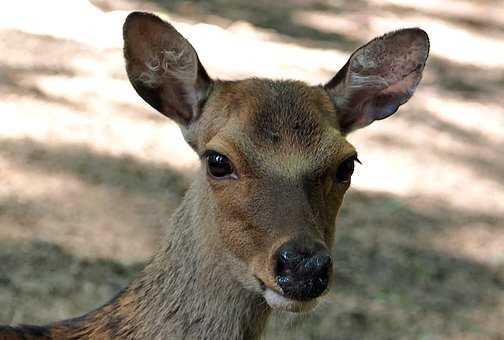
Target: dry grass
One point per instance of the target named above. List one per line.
(89, 173)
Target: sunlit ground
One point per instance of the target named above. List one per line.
(89, 173)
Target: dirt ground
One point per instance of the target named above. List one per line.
(89, 173)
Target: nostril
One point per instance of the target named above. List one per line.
(289, 256)
(287, 261)
(283, 281)
(324, 263)
(316, 265)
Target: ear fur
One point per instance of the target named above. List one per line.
(164, 68)
(378, 78)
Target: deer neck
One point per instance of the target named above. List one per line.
(185, 291)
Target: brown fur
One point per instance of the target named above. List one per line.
(285, 141)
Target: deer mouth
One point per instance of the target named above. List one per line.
(279, 301)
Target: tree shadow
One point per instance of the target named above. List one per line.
(95, 168)
(478, 24)
(480, 156)
(101, 205)
(468, 82)
(30, 56)
(16, 80)
(277, 15)
(40, 282)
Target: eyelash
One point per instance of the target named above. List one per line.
(346, 169)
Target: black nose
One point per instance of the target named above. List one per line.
(302, 273)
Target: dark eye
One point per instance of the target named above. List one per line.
(218, 165)
(346, 169)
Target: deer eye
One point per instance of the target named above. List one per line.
(218, 165)
(346, 169)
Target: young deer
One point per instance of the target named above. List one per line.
(255, 229)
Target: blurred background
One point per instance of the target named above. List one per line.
(89, 173)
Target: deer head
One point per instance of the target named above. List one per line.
(275, 159)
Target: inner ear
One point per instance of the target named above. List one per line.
(378, 78)
(164, 68)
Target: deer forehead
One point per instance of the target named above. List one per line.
(280, 128)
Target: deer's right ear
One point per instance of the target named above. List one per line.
(164, 68)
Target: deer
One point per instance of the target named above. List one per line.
(255, 229)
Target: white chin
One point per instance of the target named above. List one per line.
(280, 302)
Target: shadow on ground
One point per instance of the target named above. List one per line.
(39, 282)
(480, 155)
(95, 168)
(279, 15)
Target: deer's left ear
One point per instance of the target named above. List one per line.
(378, 78)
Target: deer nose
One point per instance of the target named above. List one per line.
(302, 274)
